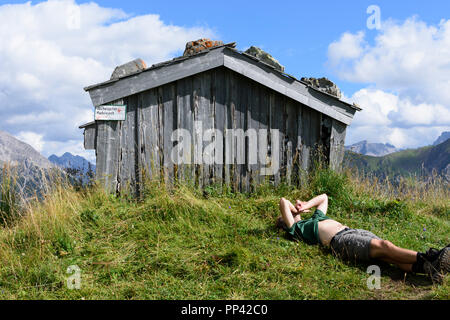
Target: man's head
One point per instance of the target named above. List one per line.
(280, 223)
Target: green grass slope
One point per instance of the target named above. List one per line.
(419, 162)
(186, 244)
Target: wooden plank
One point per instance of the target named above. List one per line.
(252, 136)
(337, 142)
(163, 171)
(284, 139)
(325, 135)
(239, 113)
(177, 154)
(128, 147)
(241, 123)
(107, 153)
(149, 131)
(220, 122)
(205, 115)
(126, 163)
(138, 173)
(185, 121)
(106, 137)
(286, 86)
(263, 136)
(306, 137)
(189, 125)
(208, 146)
(315, 135)
(169, 125)
(236, 152)
(198, 130)
(276, 177)
(151, 78)
(301, 174)
(278, 121)
(245, 100)
(90, 137)
(228, 124)
(291, 139)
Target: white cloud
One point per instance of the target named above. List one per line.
(51, 50)
(388, 118)
(377, 106)
(406, 71)
(412, 59)
(33, 139)
(423, 114)
(399, 137)
(349, 46)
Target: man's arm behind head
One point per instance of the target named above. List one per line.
(321, 202)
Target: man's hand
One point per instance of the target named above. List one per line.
(300, 206)
(321, 202)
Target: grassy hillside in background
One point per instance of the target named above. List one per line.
(409, 162)
(187, 244)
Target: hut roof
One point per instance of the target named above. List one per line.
(226, 56)
(87, 125)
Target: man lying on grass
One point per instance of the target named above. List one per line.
(357, 244)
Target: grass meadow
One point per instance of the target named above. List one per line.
(183, 243)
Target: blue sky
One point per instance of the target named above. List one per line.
(297, 33)
(398, 74)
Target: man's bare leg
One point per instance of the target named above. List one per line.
(388, 252)
(407, 267)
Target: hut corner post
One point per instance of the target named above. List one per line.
(337, 142)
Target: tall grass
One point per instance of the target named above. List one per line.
(432, 187)
(187, 243)
(9, 197)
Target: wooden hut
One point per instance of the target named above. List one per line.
(222, 89)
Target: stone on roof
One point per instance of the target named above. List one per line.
(128, 68)
(193, 47)
(324, 85)
(264, 57)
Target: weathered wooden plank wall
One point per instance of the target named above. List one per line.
(149, 134)
(128, 150)
(337, 140)
(90, 137)
(221, 99)
(107, 152)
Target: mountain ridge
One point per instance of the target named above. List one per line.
(442, 138)
(69, 160)
(421, 161)
(15, 151)
(372, 149)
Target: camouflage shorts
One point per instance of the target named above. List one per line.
(352, 244)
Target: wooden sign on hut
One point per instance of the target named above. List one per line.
(214, 115)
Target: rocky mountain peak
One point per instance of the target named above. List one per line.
(14, 151)
(442, 138)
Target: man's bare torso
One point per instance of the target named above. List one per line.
(327, 230)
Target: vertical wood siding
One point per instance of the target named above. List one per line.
(90, 137)
(108, 159)
(142, 145)
(337, 140)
